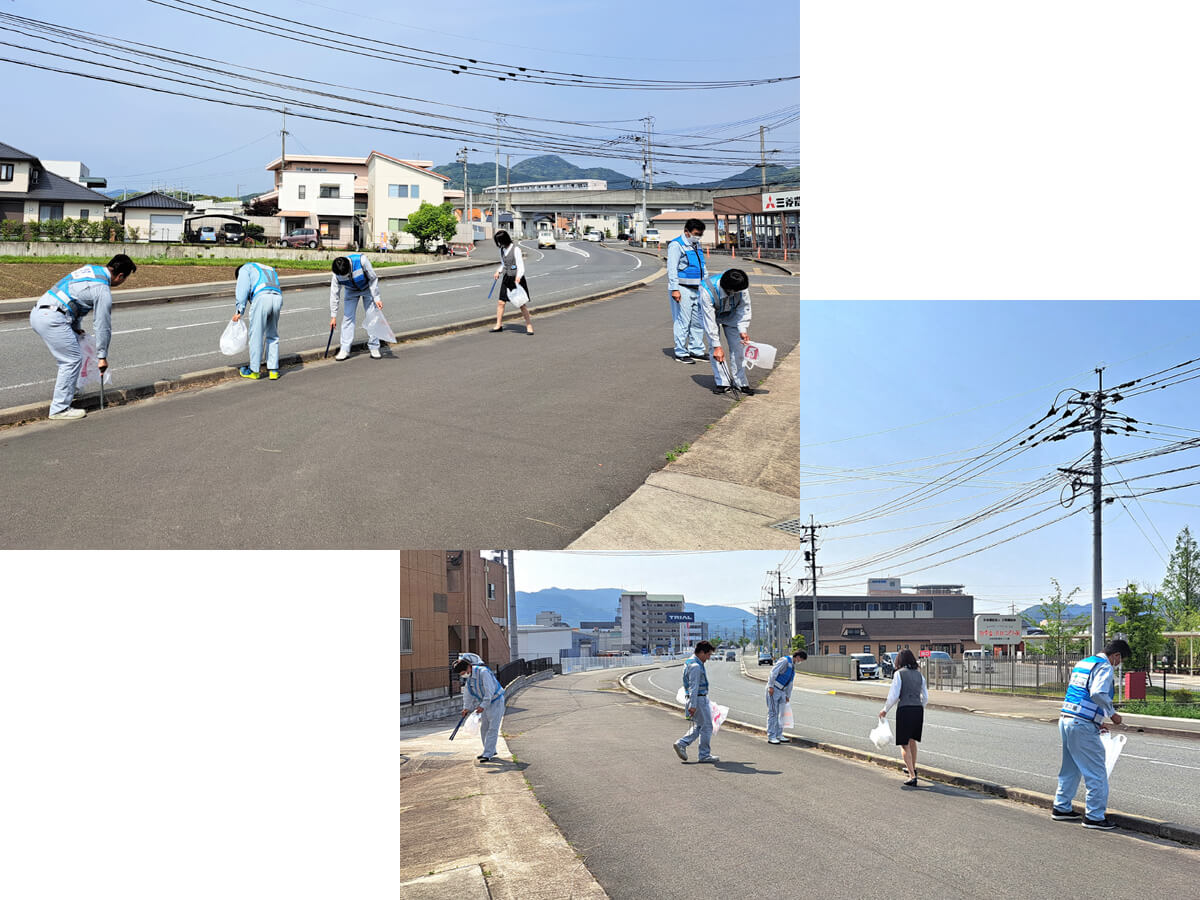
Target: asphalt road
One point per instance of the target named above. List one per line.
(471, 439)
(769, 822)
(1156, 776)
(158, 342)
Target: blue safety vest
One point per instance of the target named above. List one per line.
(357, 279)
(268, 280)
(1078, 700)
(703, 687)
(61, 292)
(785, 677)
(475, 689)
(724, 304)
(691, 263)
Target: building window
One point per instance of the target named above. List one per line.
(414, 191)
(406, 636)
(842, 649)
(50, 211)
(439, 603)
(301, 191)
(397, 224)
(6, 171)
(330, 192)
(83, 215)
(872, 607)
(491, 592)
(919, 605)
(398, 190)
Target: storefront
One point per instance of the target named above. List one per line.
(763, 223)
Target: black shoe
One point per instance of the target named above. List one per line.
(747, 390)
(912, 782)
(698, 355)
(686, 360)
(720, 389)
(482, 758)
(1064, 815)
(1105, 824)
(494, 330)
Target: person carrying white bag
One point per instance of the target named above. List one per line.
(725, 307)
(513, 287)
(354, 279)
(482, 694)
(908, 694)
(779, 694)
(695, 686)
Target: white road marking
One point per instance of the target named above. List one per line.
(194, 325)
(133, 331)
(451, 290)
(571, 249)
(1159, 762)
(569, 268)
(301, 309)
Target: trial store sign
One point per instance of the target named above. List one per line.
(998, 630)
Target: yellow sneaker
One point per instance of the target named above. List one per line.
(273, 374)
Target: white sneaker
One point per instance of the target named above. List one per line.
(342, 354)
(71, 413)
(374, 352)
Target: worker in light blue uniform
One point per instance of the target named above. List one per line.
(57, 318)
(1089, 699)
(695, 688)
(483, 694)
(354, 279)
(686, 268)
(779, 694)
(725, 306)
(258, 285)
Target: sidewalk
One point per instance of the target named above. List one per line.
(744, 474)
(475, 831)
(1004, 706)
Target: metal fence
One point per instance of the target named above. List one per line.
(1039, 675)
(428, 684)
(590, 663)
(508, 672)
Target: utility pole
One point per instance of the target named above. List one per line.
(512, 609)
(650, 146)
(762, 150)
(508, 185)
(1097, 599)
(810, 557)
(461, 157)
(283, 132)
(496, 187)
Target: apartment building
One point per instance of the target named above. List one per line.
(645, 624)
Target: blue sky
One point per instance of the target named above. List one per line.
(888, 382)
(139, 138)
(732, 578)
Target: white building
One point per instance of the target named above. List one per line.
(320, 200)
(396, 188)
(74, 170)
(537, 641)
(549, 617)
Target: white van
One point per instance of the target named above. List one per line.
(978, 661)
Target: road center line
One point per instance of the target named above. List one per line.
(193, 325)
(133, 331)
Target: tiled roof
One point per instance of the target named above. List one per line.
(9, 152)
(55, 187)
(152, 200)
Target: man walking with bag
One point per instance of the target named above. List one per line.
(695, 687)
(779, 694)
(57, 316)
(354, 279)
(1089, 699)
(258, 286)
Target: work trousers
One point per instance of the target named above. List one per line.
(701, 728)
(688, 326)
(264, 325)
(489, 725)
(349, 312)
(1082, 756)
(54, 327)
(735, 357)
(775, 704)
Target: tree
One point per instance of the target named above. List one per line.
(430, 222)
(263, 208)
(799, 643)
(1061, 629)
(1179, 597)
(1143, 625)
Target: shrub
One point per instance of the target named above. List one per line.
(133, 232)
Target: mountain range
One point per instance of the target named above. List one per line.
(554, 168)
(603, 604)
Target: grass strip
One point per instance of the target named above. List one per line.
(313, 264)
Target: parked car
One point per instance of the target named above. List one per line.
(764, 659)
(867, 666)
(301, 237)
(887, 664)
(622, 236)
(594, 236)
(938, 656)
(730, 656)
(232, 233)
(652, 236)
(207, 234)
(546, 241)
(978, 661)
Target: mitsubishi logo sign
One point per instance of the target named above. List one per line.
(780, 201)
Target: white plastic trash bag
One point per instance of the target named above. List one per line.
(681, 696)
(759, 356)
(881, 734)
(471, 726)
(1113, 745)
(787, 720)
(377, 326)
(236, 338)
(89, 375)
(719, 713)
(517, 296)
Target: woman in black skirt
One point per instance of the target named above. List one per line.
(909, 695)
(512, 270)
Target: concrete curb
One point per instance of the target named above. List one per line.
(32, 412)
(1170, 831)
(765, 262)
(206, 290)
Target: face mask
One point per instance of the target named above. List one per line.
(694, 239)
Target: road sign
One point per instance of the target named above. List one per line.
(998, 630)
(681, 617)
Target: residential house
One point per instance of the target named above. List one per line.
(670, 225)
(30, 192)
(156, 216)
(396, 188)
